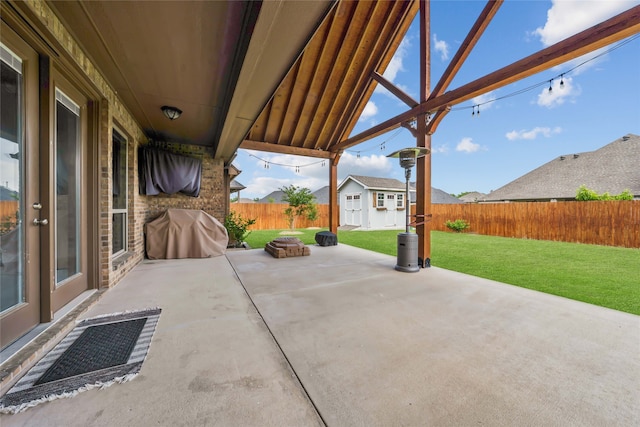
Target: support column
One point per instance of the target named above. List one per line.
(423, 166)
(334, 212)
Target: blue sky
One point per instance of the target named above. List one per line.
(598, 102)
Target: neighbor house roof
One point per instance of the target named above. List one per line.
(612, 168)
(273, 197)
(236, 186)
(322, 195)
(472, 197)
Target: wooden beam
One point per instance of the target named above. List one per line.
(394, 90)
(615, 29)
(436, 120)
(423, 165)
(610, 31)
(467, 46)
(334, 209)
(248, 144)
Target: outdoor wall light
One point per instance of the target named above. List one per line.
(172, 113)
(408, 242)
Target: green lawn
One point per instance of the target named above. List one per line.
(600, 275)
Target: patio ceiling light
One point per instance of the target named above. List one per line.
(172, 113)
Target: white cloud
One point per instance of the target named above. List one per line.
(374, 165)
(282, 171)
(396, 65)
(370, 110)
(466, 145)
(260, 186)
(568, 17)
(533, 133)
(485, 100)
(559, 93)
(442, 47)
(443, 149)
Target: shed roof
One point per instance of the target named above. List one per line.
(374, 183)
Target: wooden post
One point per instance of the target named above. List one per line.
(423, 165)
(334, 213)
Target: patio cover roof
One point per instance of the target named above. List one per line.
(284, 76)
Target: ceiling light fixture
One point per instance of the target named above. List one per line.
(172, 113)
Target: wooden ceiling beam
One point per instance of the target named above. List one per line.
(610, 31)
(466, 47)
(248, 144)
(339, 70)
(378, 60)
(394, 90)
(340, 15)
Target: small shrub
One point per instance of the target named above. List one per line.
(459, 225)
(625, 195)
(237, 227)
(584, 194)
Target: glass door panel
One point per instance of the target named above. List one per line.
(12, 280)
(19, 188)
(67, 167)
(71, 159)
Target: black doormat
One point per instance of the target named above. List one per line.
(98, 352)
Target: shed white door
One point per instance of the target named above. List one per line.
(353, 209)
(357, 210)
(390, 213)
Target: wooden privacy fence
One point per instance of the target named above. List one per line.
(270, 216)
(8, 212)
(611, 223)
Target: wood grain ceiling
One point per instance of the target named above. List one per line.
(320, 100)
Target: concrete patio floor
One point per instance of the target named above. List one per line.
(341, 338)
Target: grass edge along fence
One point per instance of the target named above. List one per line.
(608, 223)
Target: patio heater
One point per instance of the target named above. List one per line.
(408, 242)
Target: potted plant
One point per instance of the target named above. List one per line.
(237, 228)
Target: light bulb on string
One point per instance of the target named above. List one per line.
(550, 83)
(561, 81)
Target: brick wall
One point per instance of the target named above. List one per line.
(213, 197)
(212, 186)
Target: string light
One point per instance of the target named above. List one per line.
(545, 82)
(475, 109)
(267, 163)
(381, 146)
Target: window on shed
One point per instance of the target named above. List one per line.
(381, 200)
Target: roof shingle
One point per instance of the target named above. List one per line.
(612, 168)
